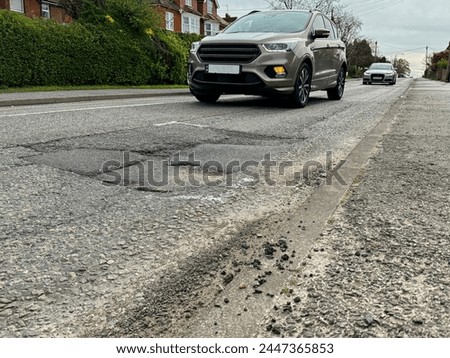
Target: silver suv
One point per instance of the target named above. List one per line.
(288, 53)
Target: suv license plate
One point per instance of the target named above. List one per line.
(224, 69)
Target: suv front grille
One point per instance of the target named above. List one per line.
(228, 53)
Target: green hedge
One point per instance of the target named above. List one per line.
(37, 52)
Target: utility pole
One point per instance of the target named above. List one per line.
(426, 63)
(376, 48)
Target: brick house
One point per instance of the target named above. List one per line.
(193, 16)
(435, 69)
(48, 9)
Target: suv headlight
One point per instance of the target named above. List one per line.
(195, 46)
(285, 46)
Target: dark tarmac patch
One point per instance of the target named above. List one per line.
(87, 162)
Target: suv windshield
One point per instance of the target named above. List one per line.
(272, 21)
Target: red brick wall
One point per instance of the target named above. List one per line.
(201, 6)
(4, 4)
(177, 20)
(59, 15)
(214, 9)
(32, 8)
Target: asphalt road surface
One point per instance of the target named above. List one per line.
(132, 217)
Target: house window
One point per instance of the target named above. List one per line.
(189, 2)
(211, 28)
(210, 7)
(186, 24)
(191, 24)
(16, 5)
(170, 21)
(45, 8)
(208, 30)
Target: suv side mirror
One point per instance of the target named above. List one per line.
(321, 33)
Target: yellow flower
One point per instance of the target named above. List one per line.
(109, 18)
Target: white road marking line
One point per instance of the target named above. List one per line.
(83, 109)
(182, 123)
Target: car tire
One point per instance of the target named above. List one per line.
(337, 91)
(207, 98)
(302, 89)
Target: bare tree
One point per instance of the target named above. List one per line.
(288, 4)
(348, 24)
(323, 5)
(402, 66)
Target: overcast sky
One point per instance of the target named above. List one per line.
(401, 27)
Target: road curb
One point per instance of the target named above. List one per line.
(71, 99)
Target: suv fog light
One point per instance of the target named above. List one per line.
(280, 71)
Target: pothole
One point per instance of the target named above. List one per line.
(162, 161)
(225, 158)
(205, 165)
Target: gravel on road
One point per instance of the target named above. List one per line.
(382, 267)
